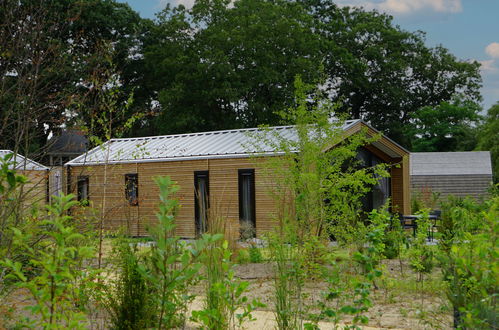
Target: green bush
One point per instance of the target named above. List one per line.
(255, 255)
(129, 302)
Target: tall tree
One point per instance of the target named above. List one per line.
(489, 138)
(384, 74)
(48, 49)
(218, 67)
(449, 126)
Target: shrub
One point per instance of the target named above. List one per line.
(255, 255)
(129, 301)
(65, 277)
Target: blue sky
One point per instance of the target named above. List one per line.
(468, 28)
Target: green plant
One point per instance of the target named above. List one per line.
(255, 255)
(129, 302)
(289, 278)
(171, 267)
(224, 293)
(337, 301)
(65, 275)
(471, 268)
(421, 255)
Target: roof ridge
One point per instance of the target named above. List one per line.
(233, 130)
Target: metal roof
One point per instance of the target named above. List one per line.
(22, 163)
(451, 163)
(234, 143)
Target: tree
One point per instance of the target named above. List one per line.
(489, 138)
(449, 126)
(48, 49)
(384, 74)
(216, 67)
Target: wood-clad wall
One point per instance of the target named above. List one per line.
(475, 186)
(35, 190)
(224, 193)
(107, 192)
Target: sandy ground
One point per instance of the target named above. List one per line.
(391, 310)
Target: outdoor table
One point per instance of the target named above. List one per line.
(413, 218)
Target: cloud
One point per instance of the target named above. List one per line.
(493, 50)
(187, 3)
(407, 6)
(488, 66)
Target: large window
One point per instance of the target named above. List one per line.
(132, 189)
(247, 202)
(83, 189)
(201, 196)
(380, 192)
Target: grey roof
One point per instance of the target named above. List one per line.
(207, 145)
(451, 163)
(69, 142)
(22, 163)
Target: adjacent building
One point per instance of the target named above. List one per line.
(459, 174)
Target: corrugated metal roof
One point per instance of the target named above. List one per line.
(23, 163)
(207, 145)
(451, 163)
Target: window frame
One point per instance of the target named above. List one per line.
(81, 181)
(132, 177)
(197, 210)
(240, 174)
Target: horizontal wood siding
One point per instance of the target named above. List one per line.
(458, 185)
(224, 196)
(35, 190)
(223, 193)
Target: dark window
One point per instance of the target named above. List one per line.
(201, 196)
(82, 188)
(247, 202)
(132, 189)
(380, 192)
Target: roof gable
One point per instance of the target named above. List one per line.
(22, 163)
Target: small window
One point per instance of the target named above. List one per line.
(247, 203)
(83, 190)
(132, 189)
(201, 197)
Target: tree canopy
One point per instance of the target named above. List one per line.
(221, 65)
(489, 138)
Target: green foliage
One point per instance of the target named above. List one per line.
(338, 301)
(421, 256)
(172, 267)
(445, 127)
(129, 300)
(489, 138)
(207, 62)
(66, 37)
(224, 293)
(289, 278)
(64, 279)
(319, 165)
(255, 255)
(470, 266)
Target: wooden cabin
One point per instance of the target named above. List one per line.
(211, 168)
(35, 191)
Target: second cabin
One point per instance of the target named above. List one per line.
(214, 170)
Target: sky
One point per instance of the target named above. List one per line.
(468, 28)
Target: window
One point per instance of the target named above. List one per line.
(381, 191)
(247, 203)
(82, 189)
(201, 197)
(132, 189)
